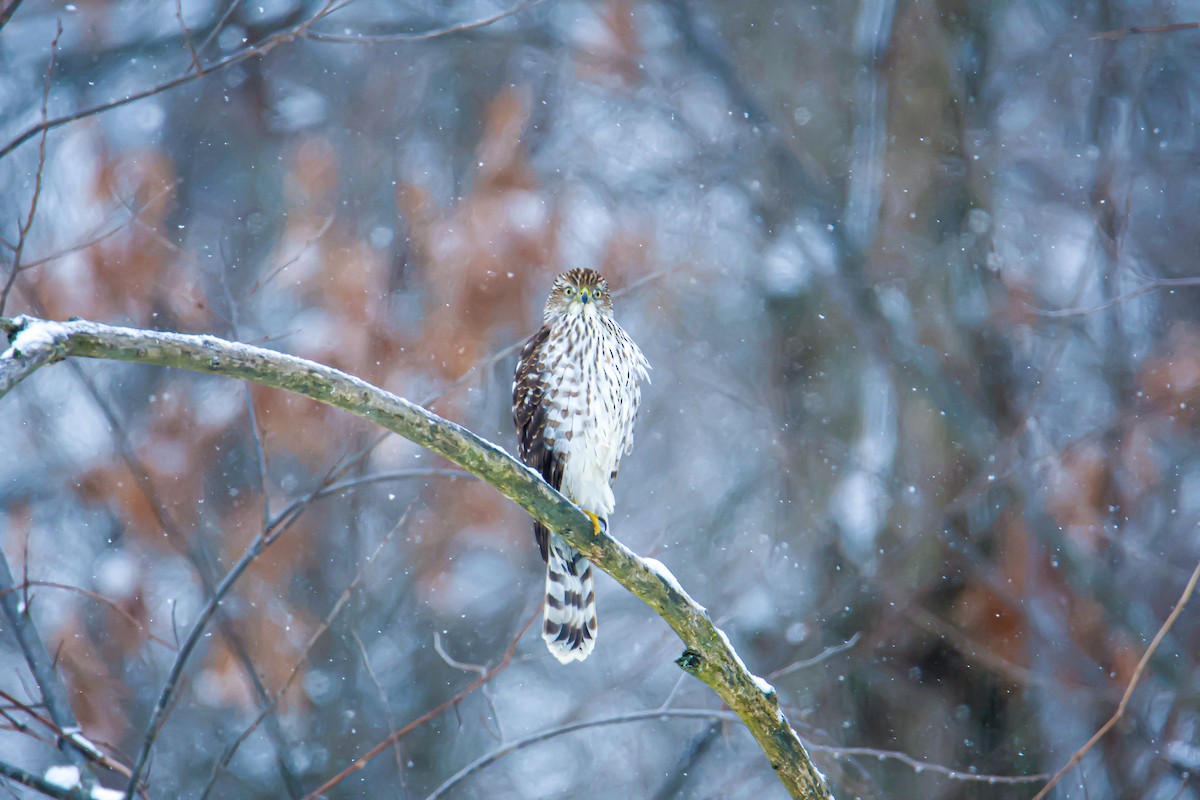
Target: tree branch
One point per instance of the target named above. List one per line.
(34, 649)
(40, 784)
(708, 654)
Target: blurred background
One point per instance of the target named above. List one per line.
(916, 279)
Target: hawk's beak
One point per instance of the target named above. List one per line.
(585, 296)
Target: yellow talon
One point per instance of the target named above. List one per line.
(595, 523)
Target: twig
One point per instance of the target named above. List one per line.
(273, 700)
(99, 598)
(58, 706)
(1172, 28)
(6, 13)
(385, 706)
(425, 36)
(452, 662)
(550, 733)
(24, 228)
(1133, 683)
(1153, 285)
(220, 25)
(924, 766)
(99, 236)
(268, 536)
(176, 537)
(40, 784)
(432, 713)
(721, 716)
(187, 38)
(828, 653)
(297, 31)
(254, 51)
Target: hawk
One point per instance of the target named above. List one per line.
(575, 398)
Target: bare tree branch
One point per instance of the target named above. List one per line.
(58, 706)
(99, 598)
(827, 653)
(425, 36)
(1133, 683)
(273, 700)
(726, 716)
(254, 51)
(9, 9)
(197, 70)
(40, 784)
(24, 228)
(1172, 28)
(708, 655)
(1145, 288)
(431, 714)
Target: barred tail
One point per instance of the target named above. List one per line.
(569, 619)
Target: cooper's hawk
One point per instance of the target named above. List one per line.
(575, 399)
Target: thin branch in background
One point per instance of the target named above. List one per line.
(30, 711)
(24, 228)
(454, 663)
(1150, 286)
(298, 31)
(266, 537)
(99, 598)
(826, 654)
(220, 26)
(96, 237)
(6, 13)
(202, 569)
(1133, 683)
(261, 282)
(384, 704)
(176, 537)
(685, 766)
(43, 786)
(187, 38)
(319, 36)
(1121, 32)
(720, 716)
(431, 714)
(33, 648)
(923, 766)
(255, 51)
(519, 744)
(75, 736)
(273, 701)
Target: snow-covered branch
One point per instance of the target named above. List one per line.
(708, 654)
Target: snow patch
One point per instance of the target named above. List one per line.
(64, 776)
(667, 577)
(100, 793)
(725, 639)
(33, 336)
(76, 737)
(762, 685)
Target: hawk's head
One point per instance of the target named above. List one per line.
(578, 290)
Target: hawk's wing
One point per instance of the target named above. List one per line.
(529, 414)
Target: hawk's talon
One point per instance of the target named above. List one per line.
(598, 524)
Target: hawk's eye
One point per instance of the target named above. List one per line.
(597, 292)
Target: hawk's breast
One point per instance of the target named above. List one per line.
(591, 370)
